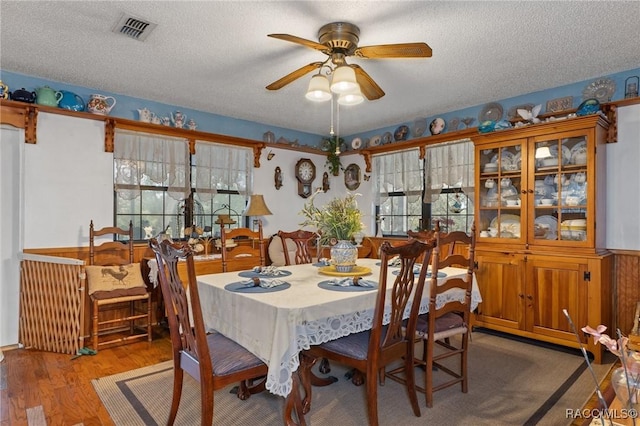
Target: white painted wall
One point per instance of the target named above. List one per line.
(285, 203)
(11, 157)
(623, 183)
(68, 181)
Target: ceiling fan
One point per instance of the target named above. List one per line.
(339, 40)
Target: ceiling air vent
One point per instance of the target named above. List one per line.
(133, 27)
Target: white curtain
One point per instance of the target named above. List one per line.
(396, 172)
(149, 159)
(220, 166)
(449, 165)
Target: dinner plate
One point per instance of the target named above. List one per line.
(566, 153)
(551, 223)
(375, 140)
(328, 286)
(356, 271)
(240, 287)
(356, 143)
(491, 111)
(507, 158)
(580, 146)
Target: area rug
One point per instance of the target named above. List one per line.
(511, 382)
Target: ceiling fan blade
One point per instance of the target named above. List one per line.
(401, 50)
(299, 40)
(279, 84)
(368, 87)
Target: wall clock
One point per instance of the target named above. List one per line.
(305, 173)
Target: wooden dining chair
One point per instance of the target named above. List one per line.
(120, 300)
(248, 249)
(211, 359)
(370, 351)
(303, 241)
(447, 318)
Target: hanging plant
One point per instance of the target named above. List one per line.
(333, 160)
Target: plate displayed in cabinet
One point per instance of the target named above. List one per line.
(549, 222)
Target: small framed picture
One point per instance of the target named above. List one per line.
(560, 104)
(352, 177)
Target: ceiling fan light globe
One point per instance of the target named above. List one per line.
(351, 98)
(318, 90)
(344, 80)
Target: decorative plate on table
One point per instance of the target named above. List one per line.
(241, 287)
(356, 143)
(387, 138)
(253, 274)
(356, 271)
(550, 223)
(375, 140)
(327, 285)
(490, 112)
(601, 89)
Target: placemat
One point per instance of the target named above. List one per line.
(252, 274)
(328, 286)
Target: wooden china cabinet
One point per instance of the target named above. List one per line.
(539, 210)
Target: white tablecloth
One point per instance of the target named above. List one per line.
(276, 326)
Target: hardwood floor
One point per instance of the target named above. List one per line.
(62, 386)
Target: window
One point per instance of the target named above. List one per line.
(449, 185)
(399, 180)
(160, 186)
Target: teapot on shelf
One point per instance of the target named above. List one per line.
(145, 115)
(47, 96)
(23, 95)
(71, 101)
(178, 119)
(99, 104)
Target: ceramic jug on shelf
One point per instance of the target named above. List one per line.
(99, 104)
(145, 115)
(47, 96)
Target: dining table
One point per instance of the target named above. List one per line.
(277, 323)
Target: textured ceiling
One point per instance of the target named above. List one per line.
(216, 56)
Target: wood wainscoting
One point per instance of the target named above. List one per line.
(626, 275)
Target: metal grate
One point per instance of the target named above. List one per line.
(134, 28)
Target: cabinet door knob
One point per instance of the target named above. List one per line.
(521, 296)
(524, 191)
(530, 191)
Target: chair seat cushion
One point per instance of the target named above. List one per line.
(353, 346)
(447, 322)
(119, 277)
(124, 292)
(229, 357)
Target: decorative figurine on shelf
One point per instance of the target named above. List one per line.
(178, 119)
(166, 121)
(530, 116)
(4, 91)
(191, 124)
(631, 87)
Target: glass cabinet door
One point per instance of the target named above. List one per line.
(560, 189)
(499, 192)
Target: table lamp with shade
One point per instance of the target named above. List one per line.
(257, 207)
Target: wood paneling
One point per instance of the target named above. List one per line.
(627, 279)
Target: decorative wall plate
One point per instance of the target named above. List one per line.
(356, 143)
(437, 126)
(419, 127)
(387, 138)
(601, 89)
(375, 140)
(491, 111)
(401, 133)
